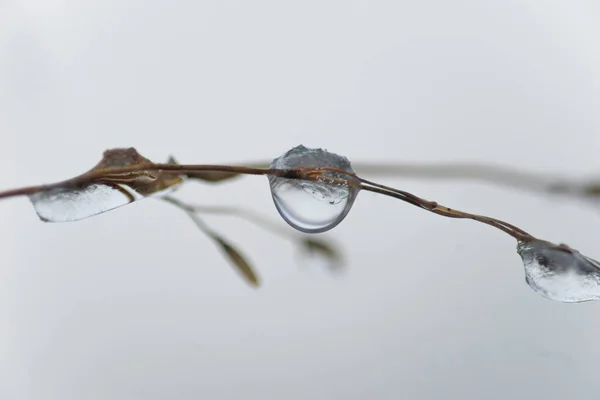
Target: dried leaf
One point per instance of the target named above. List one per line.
(145, 183)
(240, 262)
(73, 203)
(324, 249)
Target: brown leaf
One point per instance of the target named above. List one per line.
(324, 249)
(106, 192)
(144, 182)
(240, 262)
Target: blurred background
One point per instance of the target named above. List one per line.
(138, 304)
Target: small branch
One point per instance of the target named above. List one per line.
(494, 175)
(248, 215)
(106, 173)
(316, 174)
(305, 243)
(309, 173)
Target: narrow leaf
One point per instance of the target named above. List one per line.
(239, 261)
(323, 249)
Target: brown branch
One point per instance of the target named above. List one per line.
(316, 174)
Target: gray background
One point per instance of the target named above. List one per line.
(137, 304)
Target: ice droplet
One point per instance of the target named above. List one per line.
(559, 272)
(68, 204)
(311, 206)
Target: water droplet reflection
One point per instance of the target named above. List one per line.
(311, 206)
(560, 273)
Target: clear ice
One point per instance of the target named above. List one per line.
(67, 205)
(311, 206)
(64, 205)
(560, 273)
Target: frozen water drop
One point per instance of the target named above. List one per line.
(312, 206)
(67, 204)
(559, 272)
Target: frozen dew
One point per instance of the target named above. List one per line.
(312, 206)
(559, 272)
(65, 204)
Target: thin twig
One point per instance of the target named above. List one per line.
(307, 173)
(316, 174)
(106, 173)
(248, 215)
(495, 175)
(304, 242)
(242, 264)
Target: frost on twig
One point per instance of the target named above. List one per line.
(559, 272)
(313, 191)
